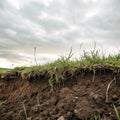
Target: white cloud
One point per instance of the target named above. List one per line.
(10, 32)
(15, 3)
(56, 25)
(91, 13)
(43, 15)
(46, 2)
(5, 64)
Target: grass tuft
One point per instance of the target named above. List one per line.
(2, 102)
(88, 58)
(3, 70)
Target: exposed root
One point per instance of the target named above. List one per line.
(25, 112)
(38, 102)
(93, 80)
(107, 91)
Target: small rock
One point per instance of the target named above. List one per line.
(37, 118)
(75, 111)
(77, 114)
(76, 98)
(29, 118)
(61, 118)
(2, 77)
(114, 97)
(69, 114)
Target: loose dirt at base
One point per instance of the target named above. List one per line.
(81, 95)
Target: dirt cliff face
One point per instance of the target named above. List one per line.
(82, 93)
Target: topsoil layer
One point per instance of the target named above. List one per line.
(82, 93)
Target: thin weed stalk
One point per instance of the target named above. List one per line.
(35, 48)
(26, 117)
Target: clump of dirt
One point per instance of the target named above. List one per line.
(82, 93)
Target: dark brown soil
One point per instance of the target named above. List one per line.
(82, 93)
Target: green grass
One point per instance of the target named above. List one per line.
(2, 102)
(2, 70)
(88, 58)
(96, 117)
(117, 113)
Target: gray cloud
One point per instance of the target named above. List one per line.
(13, 56)
(53, 26)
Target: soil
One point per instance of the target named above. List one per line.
(81, 94)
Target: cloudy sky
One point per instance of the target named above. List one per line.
(53, 26)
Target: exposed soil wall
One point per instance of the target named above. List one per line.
(81, 94)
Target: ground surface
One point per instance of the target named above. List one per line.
(81, 94)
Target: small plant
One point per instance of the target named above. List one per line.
(116, 111)
(96, 117)
(51, 82)
(2, 102)
(66, 60)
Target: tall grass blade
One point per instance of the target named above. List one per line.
(116, 111)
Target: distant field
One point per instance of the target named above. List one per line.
(2, 70)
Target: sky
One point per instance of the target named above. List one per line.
(52, 27)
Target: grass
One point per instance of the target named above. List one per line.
(96, 117)
(2, 102)
(88, 58)
(2, 70)
(116, 111)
